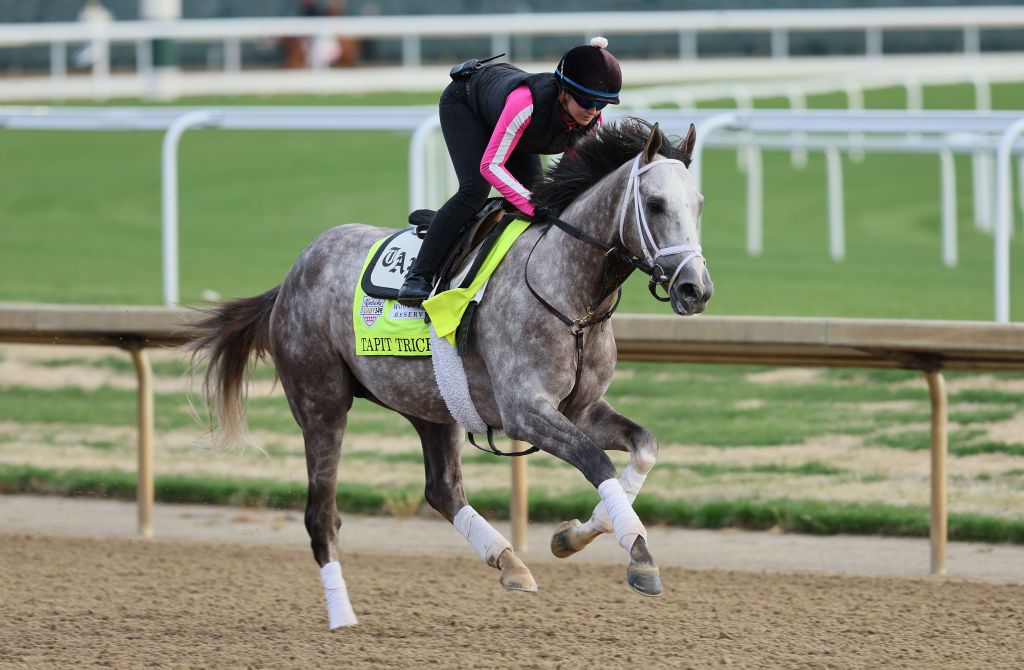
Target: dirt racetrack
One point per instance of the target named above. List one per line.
(116, 602)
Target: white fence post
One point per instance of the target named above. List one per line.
(755, 205)
(948, 179)
(1004, 219)
(418, 163)
(855, 102)
(797, 102)
(169, 198)
(836, 225)
(983, 193)
(58, 68)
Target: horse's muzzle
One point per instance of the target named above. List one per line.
(692, 290)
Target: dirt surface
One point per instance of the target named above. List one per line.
(227, 588)
(114, 602)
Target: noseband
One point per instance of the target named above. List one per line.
(643, 232)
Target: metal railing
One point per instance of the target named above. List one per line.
(939, 133)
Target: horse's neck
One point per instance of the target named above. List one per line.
(572, 265)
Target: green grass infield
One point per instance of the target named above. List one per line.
(801, 516)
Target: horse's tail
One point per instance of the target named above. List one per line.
(225, 340)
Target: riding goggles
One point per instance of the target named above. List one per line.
(587, 103)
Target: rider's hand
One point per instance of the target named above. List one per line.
(543, 214)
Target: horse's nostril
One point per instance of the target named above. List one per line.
(690, 292)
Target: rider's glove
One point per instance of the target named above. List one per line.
(543, 214)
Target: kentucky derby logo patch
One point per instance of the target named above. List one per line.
(371, 310)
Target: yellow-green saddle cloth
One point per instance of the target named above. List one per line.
(385, 328)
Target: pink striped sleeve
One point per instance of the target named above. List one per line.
(514, 120)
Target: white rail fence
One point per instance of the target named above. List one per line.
(852, 83)
(939, 133)
(499, 28)
(990, 134)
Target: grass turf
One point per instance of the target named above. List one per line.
(803, 516)
(80, 215)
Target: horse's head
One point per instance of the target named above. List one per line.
(659, 222)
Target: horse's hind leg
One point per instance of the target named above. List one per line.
(611, 431)
(319, 390)
(442, 446)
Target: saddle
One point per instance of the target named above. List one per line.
(476, 240)
(464, 261)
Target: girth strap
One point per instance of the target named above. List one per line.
(494, 450)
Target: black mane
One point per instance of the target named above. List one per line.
(594, 158)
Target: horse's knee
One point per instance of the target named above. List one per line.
(644, 453)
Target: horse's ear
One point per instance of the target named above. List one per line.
(653, 144)
(687, 144)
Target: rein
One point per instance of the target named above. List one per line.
(617, 267)
(626, 261)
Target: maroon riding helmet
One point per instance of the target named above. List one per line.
(590, 72)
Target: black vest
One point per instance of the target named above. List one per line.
(547, 132)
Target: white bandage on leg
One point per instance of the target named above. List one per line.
(631, 481)
(339, 609)
(488, 542)
(626, 523)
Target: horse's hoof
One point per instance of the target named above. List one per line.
(561, 545)
(568, 539)
(644, 579)
(518, 579)
(515, 576)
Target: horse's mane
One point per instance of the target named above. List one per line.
(595, 157)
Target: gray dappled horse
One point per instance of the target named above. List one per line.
(540, 357)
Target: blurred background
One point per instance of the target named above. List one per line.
(850, 163)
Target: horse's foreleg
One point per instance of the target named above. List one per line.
(319, 391)
(442, 445)
(542, 425)
(610, 430)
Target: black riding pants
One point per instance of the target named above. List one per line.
(466, 137)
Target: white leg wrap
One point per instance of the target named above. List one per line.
(626, 523)
(339, 609)
(488, 542)
(631, 481)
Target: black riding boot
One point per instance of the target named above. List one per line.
(416, 289)
(442, 235)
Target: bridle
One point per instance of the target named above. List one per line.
(643, 231)
(619, 264)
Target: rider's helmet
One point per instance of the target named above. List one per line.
(590, 73)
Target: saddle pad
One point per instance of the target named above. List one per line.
(382, 326)
(385, 328)
(389, 263)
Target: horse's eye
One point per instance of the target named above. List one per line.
(655, 206)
